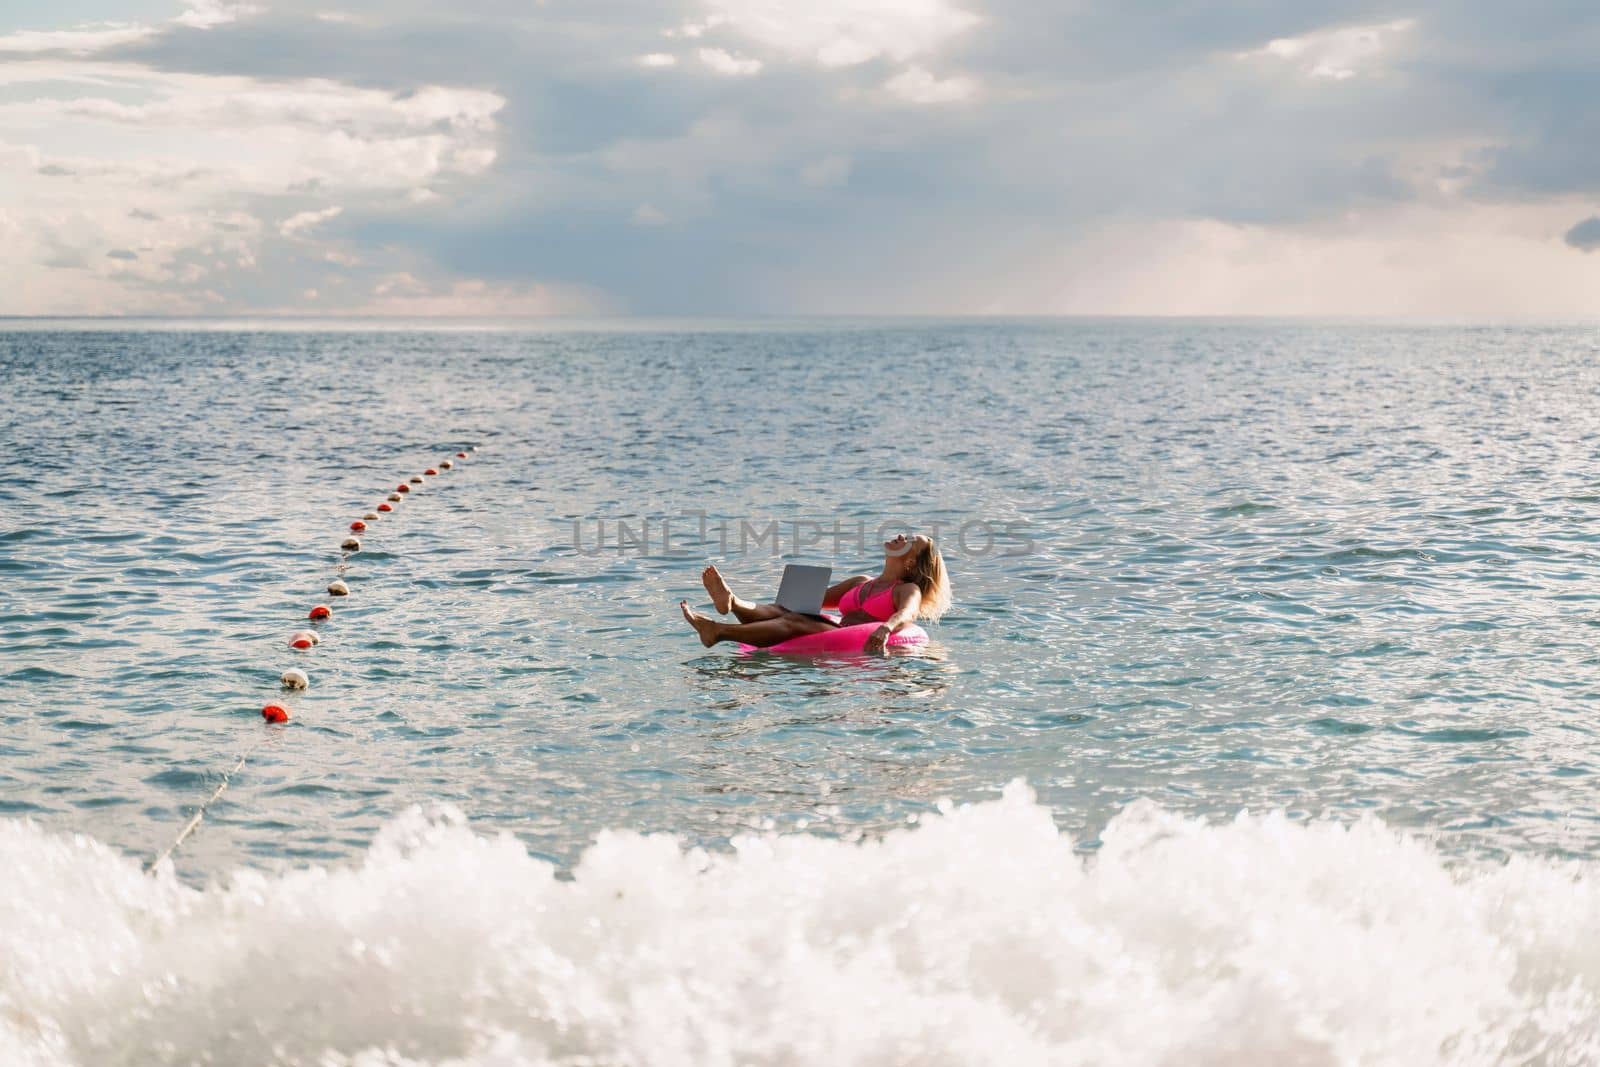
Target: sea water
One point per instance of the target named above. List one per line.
(1261, 729)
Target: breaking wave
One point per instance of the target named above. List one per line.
(978, 937)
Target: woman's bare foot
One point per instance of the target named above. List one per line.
(706, 628)
(717, 586)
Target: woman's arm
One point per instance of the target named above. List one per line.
(830, 599)
(907, 599)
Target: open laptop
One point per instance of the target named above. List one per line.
(803, 588)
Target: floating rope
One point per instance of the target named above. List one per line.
(194, 820)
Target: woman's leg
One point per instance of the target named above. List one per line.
(762, 634)
(723, 599)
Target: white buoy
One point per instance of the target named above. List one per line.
(445, 464)
(293, 679)
(371, 516)
(394, 498)
(338, 588)
(416, 479)
(351, 544)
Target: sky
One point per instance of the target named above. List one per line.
(790, 157)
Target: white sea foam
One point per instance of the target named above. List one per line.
(978, 937)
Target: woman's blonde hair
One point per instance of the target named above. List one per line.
(927, 570)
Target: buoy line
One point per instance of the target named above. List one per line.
(294, 679)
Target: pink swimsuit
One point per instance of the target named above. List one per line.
(879, 605)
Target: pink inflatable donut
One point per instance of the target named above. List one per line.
(845, 639)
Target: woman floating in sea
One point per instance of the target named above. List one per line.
(912, 585)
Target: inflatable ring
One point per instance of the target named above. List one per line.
(843, 639)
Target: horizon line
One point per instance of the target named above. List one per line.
(1575, 318)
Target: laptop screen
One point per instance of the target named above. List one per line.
(803, 588)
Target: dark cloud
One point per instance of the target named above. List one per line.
(122, 253)
(1521, 79)
(1585, 236)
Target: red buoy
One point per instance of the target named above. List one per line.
(385, 507)
(321, 611)
(461, 455)
(358, 526)
(275, 713)
(301, 643)
(430, 470)
(402, 488)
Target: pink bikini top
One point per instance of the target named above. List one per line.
(879, 605)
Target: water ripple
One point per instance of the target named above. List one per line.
(1332, 569)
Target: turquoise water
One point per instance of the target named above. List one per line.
(1327, 570)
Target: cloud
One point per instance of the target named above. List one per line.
(298, 225)
(1336, 53)
(244, 137)
(204, 14)
(222, 104)
(843, 33)
(90, 38)
(1585, 236)
(864, 154)
(724, 62)
(173, 174)
(173, 177)
(82, 41)
(920, 87)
